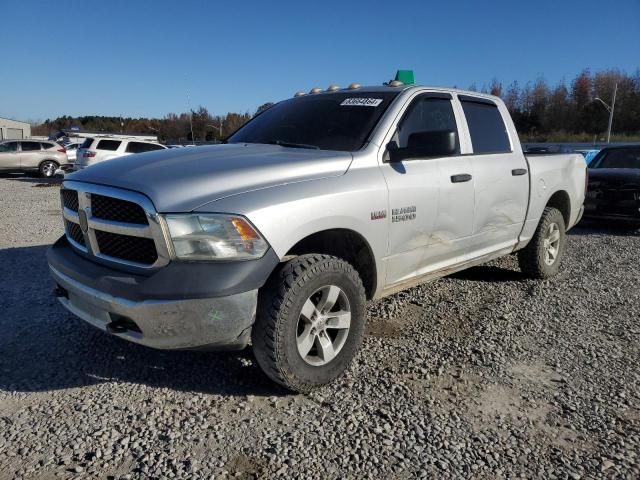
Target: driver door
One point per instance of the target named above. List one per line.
(431, 198)
(9, 156)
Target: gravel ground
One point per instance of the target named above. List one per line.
(484, 374)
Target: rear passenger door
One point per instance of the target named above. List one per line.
(108, 149)
(500, 175)
(30, 154)
(431, 206)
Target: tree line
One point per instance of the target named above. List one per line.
(571, 112)
(541, 112)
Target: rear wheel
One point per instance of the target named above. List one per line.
(48, 168)
(541, 257)
(310, 321)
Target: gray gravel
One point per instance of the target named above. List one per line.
(484, 375)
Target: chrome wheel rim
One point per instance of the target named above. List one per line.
(551, 244)
(323, 325)
(48, 169)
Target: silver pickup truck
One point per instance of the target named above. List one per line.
(324, 201)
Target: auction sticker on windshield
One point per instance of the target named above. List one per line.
(361, 102)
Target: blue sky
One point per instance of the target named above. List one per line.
(140, 58)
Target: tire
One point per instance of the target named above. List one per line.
(290, 321)
(537, 259)
(47, 169)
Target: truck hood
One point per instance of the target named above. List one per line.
(183, 179)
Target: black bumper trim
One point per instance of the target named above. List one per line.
(175, 281)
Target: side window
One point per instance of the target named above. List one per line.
(427, 114)
(8, 147)
(47, 146)
(87, 143)
(486, 127)
(30, 146)
(139, 147)
(111, 145)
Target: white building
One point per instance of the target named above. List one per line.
(11, 129)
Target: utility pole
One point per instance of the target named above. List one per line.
(610, 109)
(190, 116)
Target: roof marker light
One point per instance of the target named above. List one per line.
(299, 94)
(354, 86)
(315, 90)
(403, 77)
(333, 88)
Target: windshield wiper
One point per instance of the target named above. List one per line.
(282, 143)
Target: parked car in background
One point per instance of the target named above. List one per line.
(32, 156)
(614, 187)
(72, 150)
(588, 155)
(99, 149)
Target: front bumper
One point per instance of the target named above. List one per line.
(207, 323)
(179, 307)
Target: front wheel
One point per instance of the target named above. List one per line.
(48, 168)
(310, 321)
(541, 257)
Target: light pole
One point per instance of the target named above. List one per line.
(610, 109)
(219, 127)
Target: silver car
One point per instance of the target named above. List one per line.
(32, 155)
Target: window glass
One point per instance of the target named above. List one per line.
(87, 143)
(139, 147)
(619, 158)
(111, 145)
(427, 114)
(30, 146)
(486, 127)
(326, 121)
(9, 147)
(46, 146)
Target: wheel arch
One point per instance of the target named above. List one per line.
(346, 244)
(562, 202)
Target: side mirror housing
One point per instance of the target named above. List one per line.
(438, 143)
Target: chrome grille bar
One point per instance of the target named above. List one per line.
(89, 225)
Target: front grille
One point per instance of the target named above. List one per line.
(126, 247)
(74, 232)
(121, 226)
(109, 208)
(70, 199)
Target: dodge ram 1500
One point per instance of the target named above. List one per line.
(321, 202)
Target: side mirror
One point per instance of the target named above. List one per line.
(438, 143)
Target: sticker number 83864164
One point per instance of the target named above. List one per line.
(361, 102)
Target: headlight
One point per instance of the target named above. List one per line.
(214, 237)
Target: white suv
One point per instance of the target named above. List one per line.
(95, 150)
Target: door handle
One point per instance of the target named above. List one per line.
(518, 171)
(460, 178)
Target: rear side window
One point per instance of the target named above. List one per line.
(30, 146)
(87, 143)
(47, 146)
(139, 147)
(486, 127)
(111, 145)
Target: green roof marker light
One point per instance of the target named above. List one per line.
(405, 76)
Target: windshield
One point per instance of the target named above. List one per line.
(618, 158)
(329, 121)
